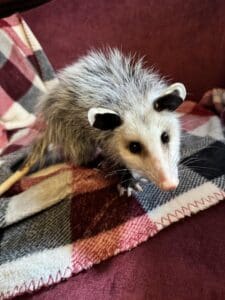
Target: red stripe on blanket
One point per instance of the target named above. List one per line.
(199, 110)
(93, 250)
(186, 107)
(194, 115)
(191, 122)
(13, 20)
(10, 76)
(3, 137)
(15, 38)
(102, 211)
(10, 149)
(23, 140)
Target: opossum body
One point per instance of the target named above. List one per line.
(110, 101)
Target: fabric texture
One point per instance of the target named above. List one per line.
(25, 73)
(64, 219)
(215, 100)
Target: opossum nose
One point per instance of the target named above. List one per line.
(169, 185)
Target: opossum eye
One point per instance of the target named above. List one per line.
(135, 147)
(165, 137)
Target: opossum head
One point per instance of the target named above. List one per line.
(146, 138)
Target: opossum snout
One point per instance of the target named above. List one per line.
(164, 177)
(169, 185)
(167, 182)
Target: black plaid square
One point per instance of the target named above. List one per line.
(208, 162)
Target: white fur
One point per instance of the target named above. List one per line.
(177, 87)
(160, 161)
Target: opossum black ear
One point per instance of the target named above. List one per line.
(168, 102)
(172, 98)
(104, 119)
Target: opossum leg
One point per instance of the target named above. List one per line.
(128, 184)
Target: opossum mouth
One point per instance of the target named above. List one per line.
(164, 185)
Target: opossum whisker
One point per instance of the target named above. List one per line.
(115, 172)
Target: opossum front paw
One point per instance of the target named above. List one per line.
(129, 188)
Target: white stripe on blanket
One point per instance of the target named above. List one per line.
(17, 117)
(211, 128)
(54, 259)
(186, 204)
(44, 194)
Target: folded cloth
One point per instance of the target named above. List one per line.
(63, 219)
(25, 73)
(215, 100)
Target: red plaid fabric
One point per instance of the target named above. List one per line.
(21, 81)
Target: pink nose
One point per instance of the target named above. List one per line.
(169, 185)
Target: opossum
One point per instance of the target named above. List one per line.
(109, 101)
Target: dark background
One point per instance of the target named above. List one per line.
(185, 40)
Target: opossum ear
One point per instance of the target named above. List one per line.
(104, 119)
(171, 98)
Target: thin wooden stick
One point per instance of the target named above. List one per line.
(14, 178)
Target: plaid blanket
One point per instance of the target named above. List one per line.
(63, 219)
(215, 101)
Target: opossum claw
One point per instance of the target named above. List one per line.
(131, 188)
(129, 191)
(138, 187)
(121, 190)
